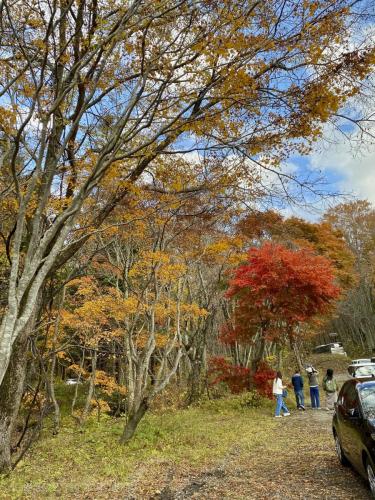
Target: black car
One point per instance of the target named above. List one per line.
(354, 426)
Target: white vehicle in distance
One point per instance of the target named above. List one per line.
(360, 361)
(362, 367)
(365, 371)
(332, 348)
(73, 381)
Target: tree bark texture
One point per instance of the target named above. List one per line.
(11, 391)
(91, 390)
(133, 421)
(196, 382)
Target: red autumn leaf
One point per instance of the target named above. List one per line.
(277, 289)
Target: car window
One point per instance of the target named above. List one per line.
(367, 396)
(349, 397)
(365, 371)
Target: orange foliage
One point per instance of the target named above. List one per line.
(277, 289)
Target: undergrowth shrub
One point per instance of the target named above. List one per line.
(251, 399)
(240, 379)
(237, 378)
(262, 379)
(235, 402)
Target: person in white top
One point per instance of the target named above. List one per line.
(277, 390)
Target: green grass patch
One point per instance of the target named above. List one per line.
(75, 461)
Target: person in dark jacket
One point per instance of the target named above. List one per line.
(297, 382)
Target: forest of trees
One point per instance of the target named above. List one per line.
(137, 144)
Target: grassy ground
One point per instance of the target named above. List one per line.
(91, 463)
(295, 461)
(217, 450)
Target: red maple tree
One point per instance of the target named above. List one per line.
(277, 289)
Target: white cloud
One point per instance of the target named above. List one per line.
(355, 167)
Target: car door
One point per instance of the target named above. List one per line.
(342, 420)
(352, 419)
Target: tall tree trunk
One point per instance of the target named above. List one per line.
(52, 395)
(11, 391)
(197, 357)
(279, 358)
(196, 382)
(297, 354)
(90, 393)
(134, 418)
(258, 353)
(78, 382)
(51, 374)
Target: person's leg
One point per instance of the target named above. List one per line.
(312, 397)
(328, 401)
(316, 394)
(300, 399)
(302, 396)
(317, 397)
(296, 393)
(279, 402)
(331, 400)
(284, 407)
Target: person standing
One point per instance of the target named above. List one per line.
(314, 387)
(297, 382)
(330, 388)
(278, 389)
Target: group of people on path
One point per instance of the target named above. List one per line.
(329, 386)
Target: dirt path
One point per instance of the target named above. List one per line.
(297, 461)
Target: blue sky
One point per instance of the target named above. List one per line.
(346, 165)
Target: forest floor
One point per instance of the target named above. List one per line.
(296, 460)
(216, 450)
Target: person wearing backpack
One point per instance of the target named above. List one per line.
(330, 388)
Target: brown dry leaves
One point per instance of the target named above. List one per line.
(297, 461)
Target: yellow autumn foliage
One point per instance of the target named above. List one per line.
(78, 370)
(100, 404)
(108, 383)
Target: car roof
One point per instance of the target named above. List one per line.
(366, 380)
(363, 381)
(359, 365)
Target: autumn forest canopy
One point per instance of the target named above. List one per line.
(143, 153)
